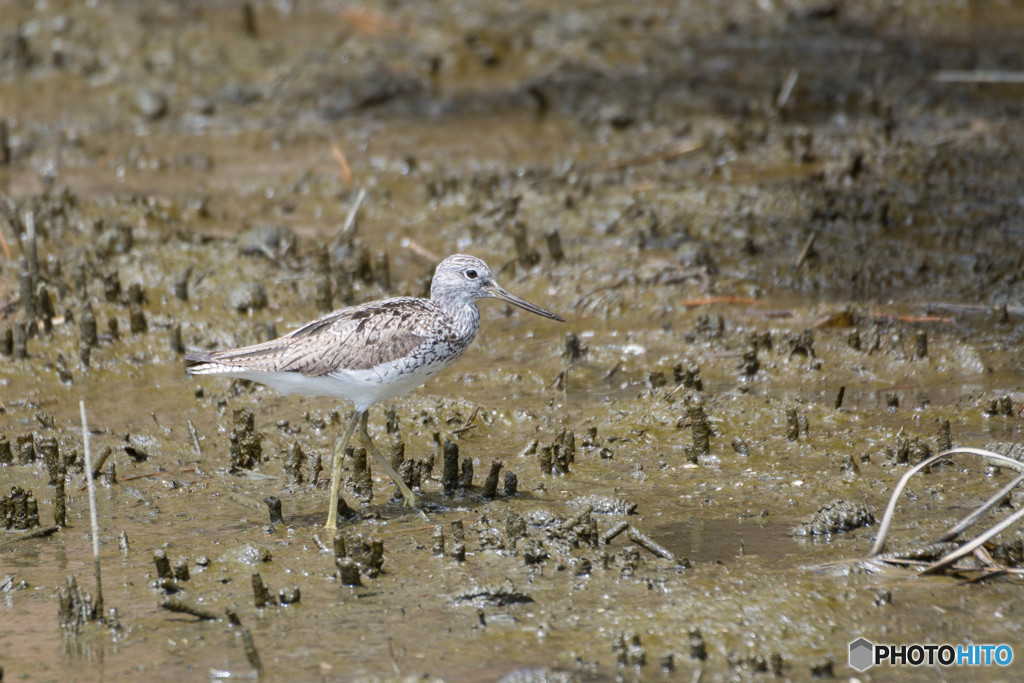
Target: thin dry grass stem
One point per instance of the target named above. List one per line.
(806, 251)
(970, 519)
(394, 660)
(346, 170)
(98, 608)
(420, 250)
(990, 567)
(669, 395)
(883, 529)
(787, 89)
(275, 257)
(348, 228)
(974, 545)
(469, 423)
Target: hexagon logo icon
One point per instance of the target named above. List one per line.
(862, 654)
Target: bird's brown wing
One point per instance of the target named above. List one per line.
(356, 338)
(361, 337)
(265, 357)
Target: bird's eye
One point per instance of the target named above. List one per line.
(471, 274)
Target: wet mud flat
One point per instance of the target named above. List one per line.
(786, 242)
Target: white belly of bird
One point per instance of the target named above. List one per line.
(362, 387)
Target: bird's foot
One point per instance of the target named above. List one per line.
(413, 501)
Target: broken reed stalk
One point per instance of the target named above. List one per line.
(348, 227)
(1003, 460)
(98, 608)
(970, 519)
(973, 544)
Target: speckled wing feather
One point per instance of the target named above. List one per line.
(263, 357)
(363, 337)
(357, 338)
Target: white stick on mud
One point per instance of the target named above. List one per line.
(98, 607)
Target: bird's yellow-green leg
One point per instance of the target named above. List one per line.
(407, 494)
(339, 456)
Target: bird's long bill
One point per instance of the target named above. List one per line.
(499, 293)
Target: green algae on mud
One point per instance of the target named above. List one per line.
(482, 131)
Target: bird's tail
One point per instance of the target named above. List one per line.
(205, 363)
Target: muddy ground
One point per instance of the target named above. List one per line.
(756, 204)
